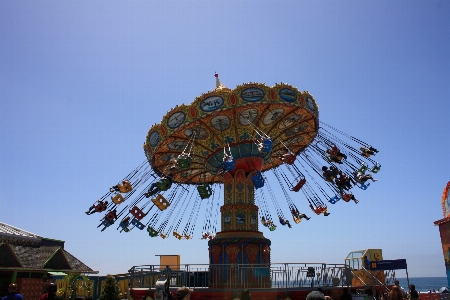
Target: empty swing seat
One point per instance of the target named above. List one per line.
(258, 180)
(364, 186)
(375, 168)
(161, 202)
(299, 185)
(204, 190)
(267, 145)
(184, 162)
(138, 224)
(362, 169)
(177, 235)
(152, 232)
(137, 213)
(334, 199)
(290, 159)
(229, 165)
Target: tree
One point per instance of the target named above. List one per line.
(69, 286)
(110, 289)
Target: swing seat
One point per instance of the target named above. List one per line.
(290, 159)
(106, 222)
(375, 168)
(100, 207)
(152, 232)
(163, 235)
(334, 199)
(137, 213)
(229, 165)
(272, 227)
(296, 219)
(164, 184)
(347, 197)
(138, 224)
(125, 222)
(299, 185)
(177, 235)
(161, 202)
(187, 237)
(204, 190)
(110, 217)
(364, 186)
(363, 168)
(117, 199)
(334, 151)
(317, 211)
(267, 145)
(125, 187)
(258, 180)
(184, 162)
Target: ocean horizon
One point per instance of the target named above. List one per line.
(424, 284)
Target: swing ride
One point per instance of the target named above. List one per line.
(243, 141)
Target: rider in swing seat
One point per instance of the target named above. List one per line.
(319, 209)
(330, 174)
(163, 185)
(336, 155)
(125, 187)
(266, 222)
(101, 206)
(298, 215)
(348, 197)
(344, 182)
(368, 151)
(362, 178)
(288, 157)
(284, 222)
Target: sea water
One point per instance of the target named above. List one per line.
(424, 284)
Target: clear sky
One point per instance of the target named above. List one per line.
(81, 83)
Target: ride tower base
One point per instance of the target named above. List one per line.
(239, 255)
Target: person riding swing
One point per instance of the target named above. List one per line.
(163, 185)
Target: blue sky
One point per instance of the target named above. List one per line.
(81, 83)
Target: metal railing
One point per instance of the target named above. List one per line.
(241, 276)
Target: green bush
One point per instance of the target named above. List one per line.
(110, 289)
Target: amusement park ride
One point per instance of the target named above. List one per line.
(235, 139)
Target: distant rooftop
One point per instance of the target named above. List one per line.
(8, 233)
(23, 250)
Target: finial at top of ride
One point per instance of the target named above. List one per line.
(219, 85)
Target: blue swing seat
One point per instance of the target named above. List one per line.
(229, 165)
(138, 224)
(258, 180)
(364, 186)
(334, 199)
(267, 145)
